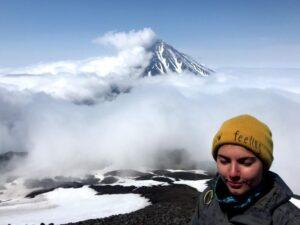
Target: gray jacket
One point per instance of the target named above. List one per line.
(273, 208)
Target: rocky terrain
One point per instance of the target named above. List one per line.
(170, 204)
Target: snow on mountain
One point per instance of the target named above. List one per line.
(167, 59)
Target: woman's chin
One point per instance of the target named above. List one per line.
(238, 191)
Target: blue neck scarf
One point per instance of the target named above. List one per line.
(225, 198)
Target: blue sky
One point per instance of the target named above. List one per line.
(218, 33)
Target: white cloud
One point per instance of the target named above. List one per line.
(123, 40)
(86, 80)
(130, 60)
(159, 114)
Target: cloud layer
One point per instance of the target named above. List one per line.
(123, 40)
(158, 114)
(71, 123)
(130, 59)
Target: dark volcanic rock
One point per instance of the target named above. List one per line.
(182, 175)
(49, 184)
(116, 189)
(125, 173)
(163, 179)
(171, 205)
(109, 180)
(156, 178)
(38, 192)
(90, 180)
(159, 194)
(45, 190)
(145, 177)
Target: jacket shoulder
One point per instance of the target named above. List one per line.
(203, 197)
(287, 213)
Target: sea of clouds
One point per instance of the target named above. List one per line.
(76, 116)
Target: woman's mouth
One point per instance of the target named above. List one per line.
(234, 185)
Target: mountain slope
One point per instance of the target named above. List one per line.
(167, 59)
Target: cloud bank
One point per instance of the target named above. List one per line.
(123, 40)
(130, 59)
(72, 123)
(159, 114)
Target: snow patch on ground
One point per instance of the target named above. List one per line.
(200, 185)
(69, 205)
(137, 183)
(190, 171)
(296, 202)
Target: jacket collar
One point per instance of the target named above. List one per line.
(260, 211)
(278, 193)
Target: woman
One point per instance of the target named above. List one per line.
(244, 191)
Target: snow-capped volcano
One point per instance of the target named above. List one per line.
(167, 59)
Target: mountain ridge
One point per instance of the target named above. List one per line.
(167, 59)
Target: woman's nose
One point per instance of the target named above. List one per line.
(234, 171)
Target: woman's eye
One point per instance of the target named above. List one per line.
(247, 162)
(224, 161)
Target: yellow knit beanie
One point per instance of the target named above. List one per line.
(249, 132)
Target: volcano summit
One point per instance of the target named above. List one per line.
(167, 59)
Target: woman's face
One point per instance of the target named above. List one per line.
(240, 169)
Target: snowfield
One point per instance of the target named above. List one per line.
(69, 205)
(296, 202)
(200, 185)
